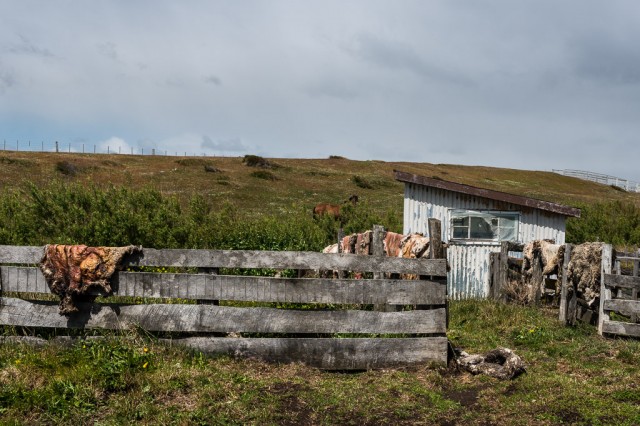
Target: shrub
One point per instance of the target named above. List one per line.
(67, 168)
(264, 174)
(336, 157)
(257, 161)
(614, 222)
(361, 182)
(16, 161)
(193, 162)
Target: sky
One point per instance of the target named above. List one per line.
(536, 85)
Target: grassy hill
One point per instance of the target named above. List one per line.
(290, 181)
(573, 376)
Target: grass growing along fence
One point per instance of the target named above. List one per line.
(573, 377)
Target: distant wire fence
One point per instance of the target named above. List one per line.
(89, 148)
(625, 184)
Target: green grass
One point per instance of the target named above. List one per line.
(574, 377)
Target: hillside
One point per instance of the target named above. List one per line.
(290, 182)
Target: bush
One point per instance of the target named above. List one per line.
(362, 182)
(263, 174)
(614, 222)
(257, 161)
(67, 168)
(193, 162)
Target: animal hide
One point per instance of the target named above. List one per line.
(71, 271)
(500, 363)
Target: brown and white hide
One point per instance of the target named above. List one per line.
(392, 243)
(549, 255)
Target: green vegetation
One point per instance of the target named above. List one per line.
(573, 377)
(614, 222)
(86, 214)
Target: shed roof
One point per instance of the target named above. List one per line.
(487, 193)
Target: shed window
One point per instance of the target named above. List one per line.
(476, 225)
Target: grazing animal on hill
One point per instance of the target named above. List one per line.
(332, 209)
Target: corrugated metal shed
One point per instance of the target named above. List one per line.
(469, 260)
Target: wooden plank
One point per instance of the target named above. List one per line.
(622, 281)
(324, 353)
(252, 259)
(327, 353)
(250, 289)
(21, 254)
(220, 319)
(564, 291)
(287, 260)
(605, 293)
(623, 306)
(621, 328)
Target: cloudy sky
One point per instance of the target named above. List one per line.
(522, 84)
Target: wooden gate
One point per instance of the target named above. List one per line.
(619, 304)
(326, 323)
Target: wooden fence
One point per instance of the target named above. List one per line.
(342, 332)
(619, 304)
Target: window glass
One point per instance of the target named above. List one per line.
(477, 225)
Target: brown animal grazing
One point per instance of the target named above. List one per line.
(332, 209)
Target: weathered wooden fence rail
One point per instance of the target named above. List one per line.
(619, 295)
(417, 335)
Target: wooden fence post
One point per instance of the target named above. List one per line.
(634, 291)
(565, 283)
(503, 270)
(605, 293)
(436, 251)
(340, 238)
(377, 249)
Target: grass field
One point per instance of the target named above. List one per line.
(573, 377)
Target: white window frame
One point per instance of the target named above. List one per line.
(457, 213)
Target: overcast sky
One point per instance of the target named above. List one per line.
(521, 84)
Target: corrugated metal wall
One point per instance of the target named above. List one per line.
(469, 261)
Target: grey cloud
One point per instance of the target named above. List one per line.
(212, 79)
(331, 89)
(26, 47)
(232, 145)
(397, 55)
(604, 59)
(7, 80)
(109, 50)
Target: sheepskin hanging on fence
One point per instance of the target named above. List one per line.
(72, 271)
(583, 271)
